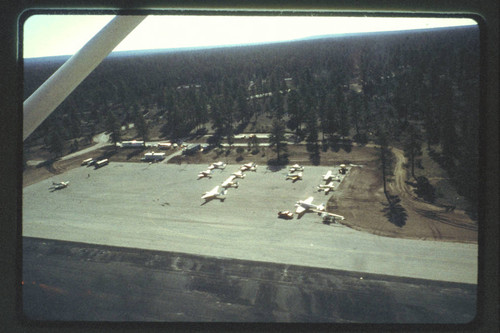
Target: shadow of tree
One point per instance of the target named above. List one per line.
(275, 165)
(395, 213)
(48, 164)
(107, 154)
(425, 190)
(134, 152)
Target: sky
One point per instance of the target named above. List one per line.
(50, 35)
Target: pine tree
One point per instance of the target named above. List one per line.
(55, 141)
(113, 126)
(312, 138)
(141, 126)
(385, 157)
(277, 139)
(413, 146)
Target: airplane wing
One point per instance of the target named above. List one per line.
(333, 215)
(210, 193)
(300, 210)
(227, 181)
(308, 200)
(52, 92)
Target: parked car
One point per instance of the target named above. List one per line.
(285, 214)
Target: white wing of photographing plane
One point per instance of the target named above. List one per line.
(52, 92)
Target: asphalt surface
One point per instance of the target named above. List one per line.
(158, 207)
(66, 281)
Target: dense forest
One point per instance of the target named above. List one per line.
(410, 89)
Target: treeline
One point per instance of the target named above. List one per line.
(415, 87)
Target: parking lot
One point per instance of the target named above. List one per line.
(159, 207)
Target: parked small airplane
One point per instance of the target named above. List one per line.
(294, 176)
(307, 205)
(249, 166)
(296, 167)
(217, 165)
(214, 194)
(206, 173)
(329, 176)
(343, 169)
(58, 186)
(304, 206)
(238, 174)
(327, 188)
(230, 182)
(330, 217)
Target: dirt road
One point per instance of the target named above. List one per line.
(456, 218)
(361, 199)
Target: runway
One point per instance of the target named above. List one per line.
(158, 207)
(80, 282)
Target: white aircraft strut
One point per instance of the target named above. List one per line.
(52, 92)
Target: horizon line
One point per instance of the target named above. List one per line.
(312, 37)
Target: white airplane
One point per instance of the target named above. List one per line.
(217, 165)
(249, 166)
(230, 182)
(60, 185)
(327, 216)
(304, 206)
(238, 174)
(214, 194)
(307, 205)
(327, 188)
(206, 173)
(329, 176)
(294, 176)
(296, 167)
